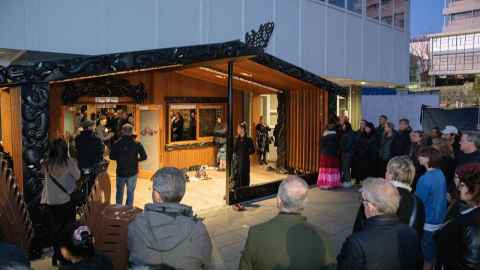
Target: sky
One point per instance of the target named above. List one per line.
(425, 17)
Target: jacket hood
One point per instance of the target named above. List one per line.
(167, 225)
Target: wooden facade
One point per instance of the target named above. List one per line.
(306, 120)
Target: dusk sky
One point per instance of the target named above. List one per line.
(426, 17)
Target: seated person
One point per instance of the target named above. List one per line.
(77, 247)
(167, 233)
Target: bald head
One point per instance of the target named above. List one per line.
(292, 194)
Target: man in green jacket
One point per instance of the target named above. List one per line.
(287, 241)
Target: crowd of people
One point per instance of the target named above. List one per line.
(419, 205)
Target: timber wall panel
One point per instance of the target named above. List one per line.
(306, 116)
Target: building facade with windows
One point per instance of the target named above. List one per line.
(351, 42)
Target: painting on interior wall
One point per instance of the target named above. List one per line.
(183, 123)
(208, 120)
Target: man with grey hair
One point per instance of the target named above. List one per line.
(384, 243)
(469, 146)
(287, 241)
(167, 233)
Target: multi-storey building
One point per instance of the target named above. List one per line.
(351, 42)
(455, 52)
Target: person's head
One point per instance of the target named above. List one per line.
(400, 169)
(58, 153)
(469, 188)
(389, 128)
(93, 116)
(435, 133)
(103, 120)
(219, 120)
(127, 130)
(124, 115)
(260, 119)
(131, 119)
(192, 114)
(443, 146)
(403, 124)
(429, 157)
(382, 120)
(369, 128)
(470, 142)
(292, 194)
(363, 124)
(88, 125)
(463, 170)
(416, 137)
(379, 197)
(76, 242)
(242, 129)
(178, 115)
(346, 126)
(168, 185)
(449, 133)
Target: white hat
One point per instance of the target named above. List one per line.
(450, 130)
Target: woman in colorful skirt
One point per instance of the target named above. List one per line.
(329, 172)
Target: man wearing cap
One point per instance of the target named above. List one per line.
(127, 152)
(451, 134)
(88, 146)
(167, 235)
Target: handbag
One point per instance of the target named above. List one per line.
(77, 197)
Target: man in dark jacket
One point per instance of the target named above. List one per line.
(382, 121)
(167, 233)
(469, 146)
(401, 142)
(385, 243)
(89, 147)
(347, 141)
(411, 211)
(127, 152)
(287, 241)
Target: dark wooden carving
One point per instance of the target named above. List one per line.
(260, 38)
(55, 70)
(34, 135)
(183, 146)
(280, 131)
(196, 100)
(104, 87)
(299, 73)
(16, 226)
(244, 194)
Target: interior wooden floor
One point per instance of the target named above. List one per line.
(202, 195)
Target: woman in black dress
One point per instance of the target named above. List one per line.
(366, 153)
(242, 149)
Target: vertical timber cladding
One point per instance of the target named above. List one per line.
(306, 117)
(35, 116)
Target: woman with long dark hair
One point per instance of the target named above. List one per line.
(329, 167)
(77, 248)
(243, 148)
(366, 153)
(61, 173)
(458, 241)
(347, 141)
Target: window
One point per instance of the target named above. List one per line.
(476, 41)
(443, 62)
(461, 16)
(355, 6)
(373, 9)
(208, 119)
(387, 11)
(476, 60)
(452, 44)
(435, 44)
(338, 3)
(452, 62)
(460, 43)
(469, 42)
(401, 8)
(192, 122)
(468, 61)
(444, 44)
(460, 61)
(436, 63)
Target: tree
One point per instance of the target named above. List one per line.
(420, 47)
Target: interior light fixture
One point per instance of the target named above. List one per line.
(363, 83)
(246, 74)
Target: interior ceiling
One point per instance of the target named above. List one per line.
(349, 82)
(248, 76)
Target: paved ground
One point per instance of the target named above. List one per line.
(330, 211)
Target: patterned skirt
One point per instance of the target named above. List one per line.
(329, 172)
